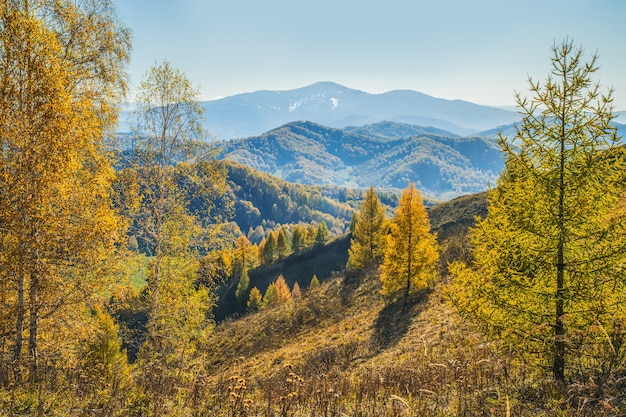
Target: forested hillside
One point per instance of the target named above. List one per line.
(385, 155)
(264, 200)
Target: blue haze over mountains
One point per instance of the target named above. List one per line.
(334, 105)
(326, 133)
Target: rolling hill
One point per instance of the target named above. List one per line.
(384, 155)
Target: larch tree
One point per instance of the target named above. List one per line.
(283, 293)
(322, 233)
(412, 252)
(243, 256)
(548, 275)
(315, 282)
(298, 237)
(267, 249)
(241, 292)
(255, 300)
(269, 298)
(369, 234)
(296, 292)
(282, 244)
(61, 74)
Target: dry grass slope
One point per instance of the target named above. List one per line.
(340, 351)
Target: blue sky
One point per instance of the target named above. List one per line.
(480, 51)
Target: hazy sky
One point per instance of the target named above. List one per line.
(479, 51)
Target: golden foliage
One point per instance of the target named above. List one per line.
(412, 252)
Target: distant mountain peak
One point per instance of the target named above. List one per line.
(335, 105)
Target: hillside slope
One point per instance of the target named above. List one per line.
(384, 155)
(449, 220)
(341, 350)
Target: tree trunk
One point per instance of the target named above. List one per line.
(33, 352)
(409, 253)
(558, 367)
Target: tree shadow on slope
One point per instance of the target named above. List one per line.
(394, 319)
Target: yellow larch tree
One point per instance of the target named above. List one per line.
(412, 251)
(548, 274)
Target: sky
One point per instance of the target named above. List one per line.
(481, 51)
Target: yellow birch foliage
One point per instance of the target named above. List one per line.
(58, 226)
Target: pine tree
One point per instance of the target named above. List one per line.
(296, 292)
(283, 293)
(255, 300)
(315, 282)
(412, 254)
(369, 234)
(548, 274)
(241, 292)
(322, 234)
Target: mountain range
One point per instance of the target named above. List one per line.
(334, 105)
(385, 155)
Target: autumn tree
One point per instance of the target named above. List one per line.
(298, 237)
(283, 293)
(243, 256)
(310, 236)
(369, 234)
(267, 249)
(169, 129)
(412, 253)
(548, 274)
(315, 282)
(61, 76)
(322, 234)
(282, 243)
(241, 292)
(296, 292)
(255, 300)
(269, 298)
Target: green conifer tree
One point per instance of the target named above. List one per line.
(322, 234)
(270, 297)
(242, 287)
(369, 234)
(548, 274)
(298, 237)
(315, 282)
(282, 246)
(269, 249)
